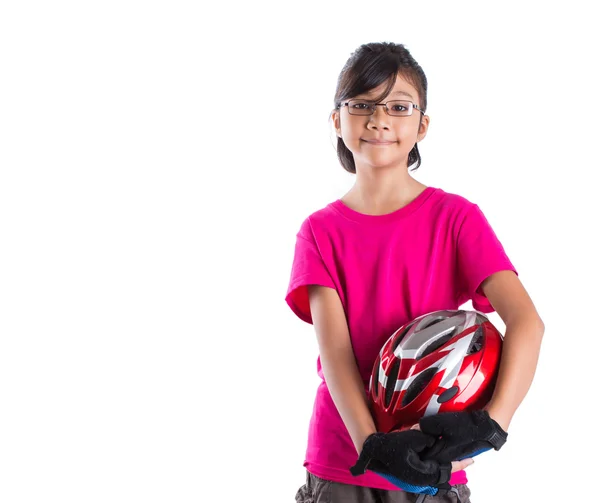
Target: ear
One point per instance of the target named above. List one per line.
(335, 115)
(423, 128)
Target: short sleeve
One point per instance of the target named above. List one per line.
(480, 254)
(308, 268)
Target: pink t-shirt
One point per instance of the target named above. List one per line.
(429, 255)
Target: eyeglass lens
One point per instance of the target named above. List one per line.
(397, 108)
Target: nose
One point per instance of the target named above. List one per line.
(379, 118)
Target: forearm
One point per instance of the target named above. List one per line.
(520, 352)
(348, 393)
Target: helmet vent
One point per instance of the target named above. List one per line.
(418, 385)
(477, 342)
(436, 344)
(432, 322)
(399, 338)
(391, 383)
(375, 381)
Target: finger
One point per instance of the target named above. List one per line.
(415, 427)
(413, 439)
(417, 440)
(462, 464)
(416, 464)
(364, 458)
(437, 423)
(360, 466)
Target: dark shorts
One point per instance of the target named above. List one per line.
(317, 490)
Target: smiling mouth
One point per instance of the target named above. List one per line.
(379, 143)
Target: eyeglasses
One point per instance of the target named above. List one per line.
(395, 108)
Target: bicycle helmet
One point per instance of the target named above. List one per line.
(444, 361)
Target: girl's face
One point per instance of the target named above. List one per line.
(399, 133)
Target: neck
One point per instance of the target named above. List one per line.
(381, 190)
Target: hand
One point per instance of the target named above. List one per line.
(395, 456)
(456, 465)
(461, 435)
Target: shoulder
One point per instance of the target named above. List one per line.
(450, 210)
(452, 201)
(318, 221)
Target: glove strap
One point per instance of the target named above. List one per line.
(497, 438)
(445, 473)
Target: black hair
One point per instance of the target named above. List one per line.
(368, 67)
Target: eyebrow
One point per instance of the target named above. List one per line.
(404, 93)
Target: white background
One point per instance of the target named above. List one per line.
(157, 160)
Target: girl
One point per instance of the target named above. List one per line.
(389, 250)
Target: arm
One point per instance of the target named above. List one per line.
(339, 364)
(521, 347)
(348, 394)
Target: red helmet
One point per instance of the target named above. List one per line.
(443, 361)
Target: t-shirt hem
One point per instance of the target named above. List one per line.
(303, 282)
(480, 301)
(369, 479)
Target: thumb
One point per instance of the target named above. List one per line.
(417, 440)
(462, 464)
(361, 465)
(365, 455)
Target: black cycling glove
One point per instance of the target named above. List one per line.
(395, 456)
(461, 435)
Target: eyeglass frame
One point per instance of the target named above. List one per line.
(372, 107)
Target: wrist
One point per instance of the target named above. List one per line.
(359, 442)
(497, 414)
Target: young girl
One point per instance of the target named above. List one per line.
(389, 250)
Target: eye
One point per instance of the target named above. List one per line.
(360, 105)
